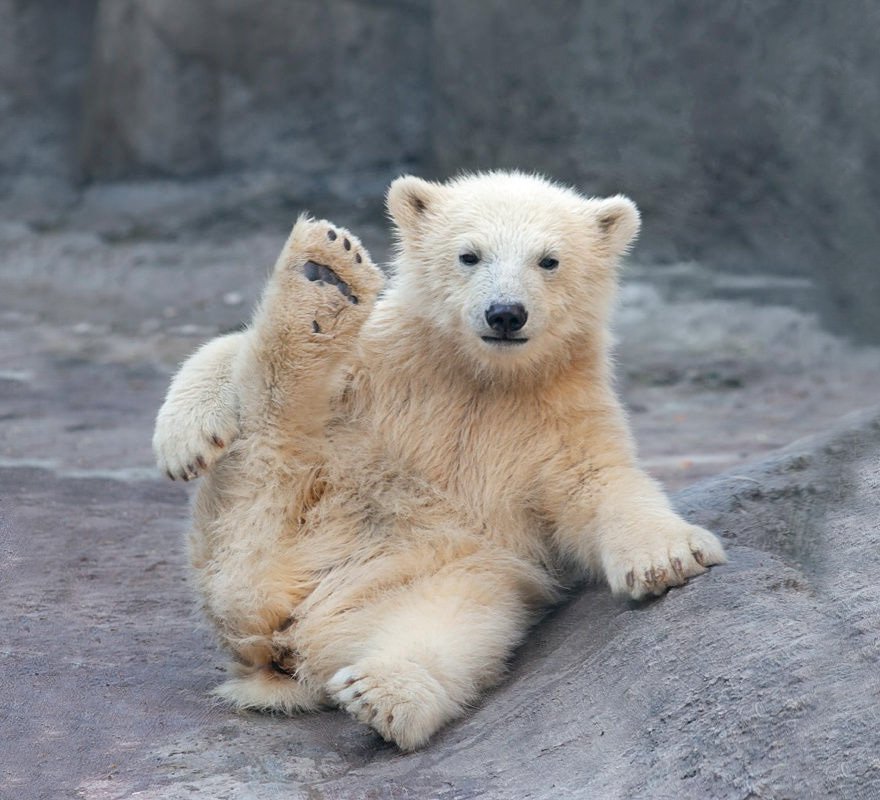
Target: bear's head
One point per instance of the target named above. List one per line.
(508, 270)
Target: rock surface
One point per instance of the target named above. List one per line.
(757, 680)
(298, 88)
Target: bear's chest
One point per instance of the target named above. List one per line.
(483, 451)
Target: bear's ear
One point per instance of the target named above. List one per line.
(410, 200)
(618, 221)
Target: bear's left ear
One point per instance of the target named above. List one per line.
(411, 200)
(618, 221)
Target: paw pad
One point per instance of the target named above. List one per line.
(321, 274)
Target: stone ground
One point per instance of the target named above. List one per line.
(759, 680)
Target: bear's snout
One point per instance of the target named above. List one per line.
(506, 318)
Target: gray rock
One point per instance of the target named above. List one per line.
(298, 88)
(759, 679)
(44, 55)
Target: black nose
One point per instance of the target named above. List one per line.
(506, 317)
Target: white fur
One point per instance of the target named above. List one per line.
(404, 498)
(199, 417)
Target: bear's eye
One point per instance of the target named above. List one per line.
(548, 263)
(469, 259)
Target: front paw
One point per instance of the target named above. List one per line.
(659, 556)
(186, 445)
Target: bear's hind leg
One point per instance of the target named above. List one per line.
(431, 648)
(319, 295)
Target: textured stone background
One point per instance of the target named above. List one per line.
(153, 154)
(749, 132)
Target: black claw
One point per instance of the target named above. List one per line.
(354, 299)
(358, 258)
(331, 235)
(218, 442)
(169, 473)
(201, 462)
(346, 244)
(344, 288)
(315, 327)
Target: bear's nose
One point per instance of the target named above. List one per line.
(506, 317)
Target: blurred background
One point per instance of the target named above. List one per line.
(748, 132)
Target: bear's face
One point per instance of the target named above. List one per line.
(510, 270)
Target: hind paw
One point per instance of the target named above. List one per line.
(399, 699)
(334, 278)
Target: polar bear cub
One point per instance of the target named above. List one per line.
(397, 480)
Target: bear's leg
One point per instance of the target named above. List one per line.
(245, 544)
(199, 418)
(320, 293)
(429, 652)
(641, 545)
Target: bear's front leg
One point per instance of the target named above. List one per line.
(644, 547)
(620, 524)
(199, 418)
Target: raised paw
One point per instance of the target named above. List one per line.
(338, 281)
(398, 698)
(661, 557)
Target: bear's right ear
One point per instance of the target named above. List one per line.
(410, 200)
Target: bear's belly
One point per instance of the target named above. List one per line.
(428, 492)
